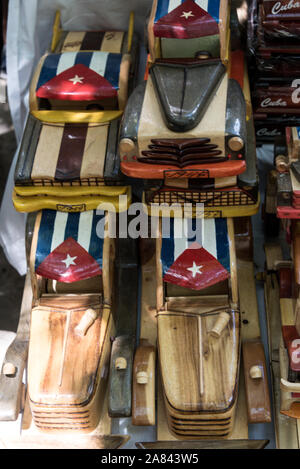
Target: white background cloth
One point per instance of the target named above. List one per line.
(29, 33)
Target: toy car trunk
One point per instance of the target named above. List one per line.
(68, 165)
(198, 326)
(119, 42)
(71, 265)
(183, 28)
(200, 127)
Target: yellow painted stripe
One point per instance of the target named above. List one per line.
(70, 191)
(130, 30)
(56, 32)
(76, 117)
(71, 204)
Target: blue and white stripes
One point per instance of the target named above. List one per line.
(164, 7)
(103, 63)
(211, 234)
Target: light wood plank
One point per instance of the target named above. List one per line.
(94, 151)
(248, 301)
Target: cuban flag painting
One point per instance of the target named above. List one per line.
(79, 76)
(186, 19)
(70, 245)
(196, 262)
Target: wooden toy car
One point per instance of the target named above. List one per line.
(178, 29)
(193, 170)
(77, 97)
(74, 311)
(71, 266)
(199, 334)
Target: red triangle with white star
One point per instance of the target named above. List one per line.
(68, 263)
(78, 83)
(196, 269)
(186, 21)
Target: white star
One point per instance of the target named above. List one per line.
(76, 79)
(69, 261)
(187, 14)
(195, 269)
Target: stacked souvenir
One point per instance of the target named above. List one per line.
(68, 168)
(68, 157)
(273, 40)
(188, 133)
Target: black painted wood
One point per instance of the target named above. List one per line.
(250, 176)
(185, 91)
(235, 117)
(132, 113)
(125, 316)
(121, 379)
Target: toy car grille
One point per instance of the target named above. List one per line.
(216, 198)
(182, 152)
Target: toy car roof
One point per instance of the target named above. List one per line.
(81, 76)
(185, 19)
(195, 257)
(69, 246)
